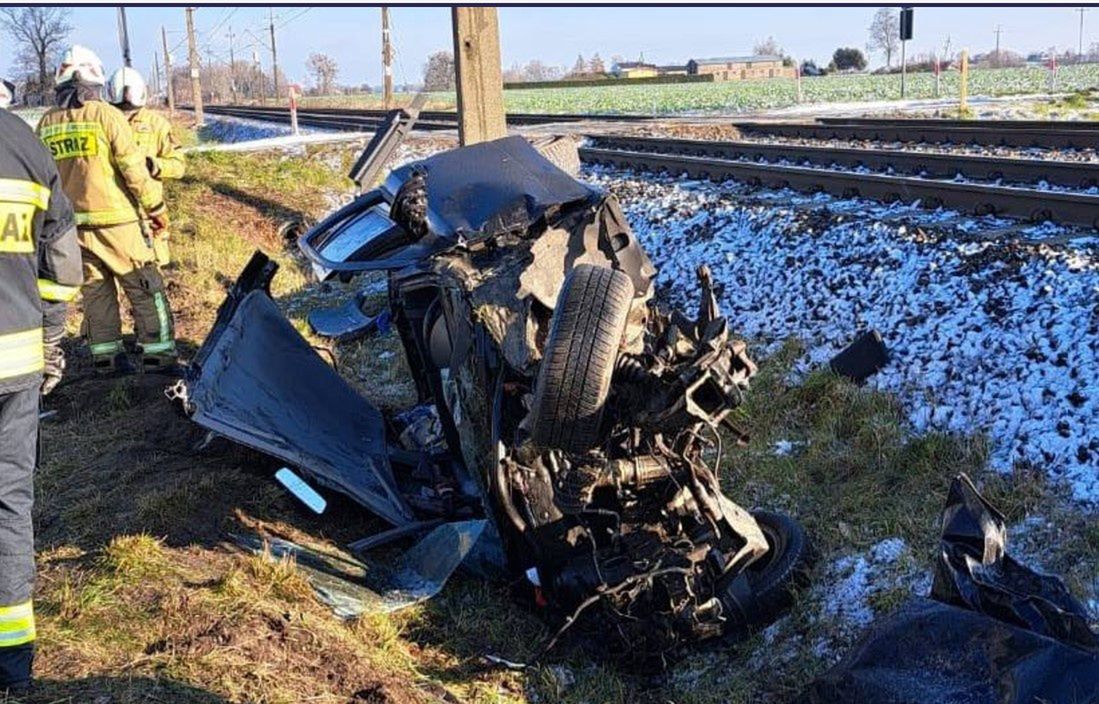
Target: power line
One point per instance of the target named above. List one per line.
(224, 19)
(295, 17)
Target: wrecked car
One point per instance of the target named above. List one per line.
(585, 424)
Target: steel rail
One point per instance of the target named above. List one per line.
(1043, 138)
(1085, 125)
(977, 199)
(429, 115)
(308, 118)
(929, 164)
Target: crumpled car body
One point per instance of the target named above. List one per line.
(578, 417)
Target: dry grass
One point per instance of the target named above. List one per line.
(141, 598)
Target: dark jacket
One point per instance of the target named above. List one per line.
(39, 254)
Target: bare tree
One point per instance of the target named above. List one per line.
(37, 33)
(439, 71)
(324, 70)
(885, 33)
(767, 47)
(538, 71)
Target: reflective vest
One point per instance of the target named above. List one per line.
(28, 208)
(101, 166)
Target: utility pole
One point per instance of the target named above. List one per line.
(168, 71)
(387, 60)
(477, 70)
(274, 55)
(124, 37)
(999, 30)
(257, 73)
(1080, 47)
(192, 59)
(232, 68)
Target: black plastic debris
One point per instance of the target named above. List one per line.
(932, 652)
(343, 323)
(975, 572)
(997, 632)
(862, 359)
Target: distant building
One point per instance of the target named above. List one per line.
(741, 68)
(672, 70)
(634, 69)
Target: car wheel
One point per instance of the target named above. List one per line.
(774, 578)
(581, 352)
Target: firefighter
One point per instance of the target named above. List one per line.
(39, 265)
(7, 94)
(104, 174)
(153, 134)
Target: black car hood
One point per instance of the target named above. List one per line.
(490, 188)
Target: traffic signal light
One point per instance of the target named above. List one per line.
(906, 23)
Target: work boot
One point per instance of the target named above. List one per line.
(119, 365)
(168, 366)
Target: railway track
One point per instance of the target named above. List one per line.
(739, 160)
(928, 164)
(971, 198)
(984, 134)
(1084, 125)
(356, 119)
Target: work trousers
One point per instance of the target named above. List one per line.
(116, 257)
(18, 445)
(160, 248)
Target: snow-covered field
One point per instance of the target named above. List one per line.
(985, 336)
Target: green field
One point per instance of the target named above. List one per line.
(733, 97)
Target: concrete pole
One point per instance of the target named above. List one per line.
(1080, 47)
(274, 57)
(192, 59)
(168, 72)
(963, 84)
(387, 61)
(480, 82)
(904, 67)
(232, 68)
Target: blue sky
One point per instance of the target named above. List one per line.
(557, 34)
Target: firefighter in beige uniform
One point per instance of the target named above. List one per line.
(105, 176)
(153, 134)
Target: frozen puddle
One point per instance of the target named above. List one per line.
(985, 336)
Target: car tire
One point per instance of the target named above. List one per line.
(580, 355)
(775, 578)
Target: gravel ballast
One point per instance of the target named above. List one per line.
(995, 336)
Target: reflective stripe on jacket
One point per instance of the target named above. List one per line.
(16, 624)
(39, 254)
(101, 166)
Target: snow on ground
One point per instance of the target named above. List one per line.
(990, 104)
(846, 591)
(222, 129)
(985, 336)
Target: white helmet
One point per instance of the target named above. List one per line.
(126, 86)
(80, 62)
(7, 94)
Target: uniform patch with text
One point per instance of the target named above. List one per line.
(73, 144)
(16, 221)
